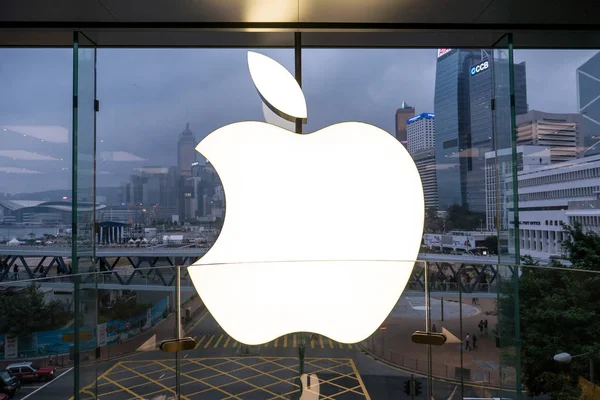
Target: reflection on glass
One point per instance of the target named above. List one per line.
(159, 204)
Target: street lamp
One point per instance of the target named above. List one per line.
(565, 358)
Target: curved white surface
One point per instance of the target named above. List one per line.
(277, 86)
(347, 192)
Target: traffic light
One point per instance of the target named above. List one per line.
(418, 388)
(407, 387)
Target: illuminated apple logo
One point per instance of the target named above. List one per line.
(321, 230)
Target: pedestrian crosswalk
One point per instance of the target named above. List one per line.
(224, 341)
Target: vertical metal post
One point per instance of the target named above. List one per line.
(515, 278)
(74, 219)
(298, 70)
(442, 301)
(460, 318)
(428, 329)
(178, 318)
(178, 299)
(298, 76)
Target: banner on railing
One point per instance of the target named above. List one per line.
(11, 347)
(58, 341)
(101, 334)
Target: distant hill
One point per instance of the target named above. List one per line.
(111, 194)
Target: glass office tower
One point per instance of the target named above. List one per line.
(464, 92)
(588, 99)
(451, 106)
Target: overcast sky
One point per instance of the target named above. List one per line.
(148, 95)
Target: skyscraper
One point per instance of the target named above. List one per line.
(489, 79)
(451, 106)
(420, 132)
(560, 133)
(466, 83)
(402, 114)
(186, 151)
(588, 104)
(425, 162)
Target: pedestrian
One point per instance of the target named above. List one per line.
(468, 343)
(433, 328)
(473, 301)
(480, 325)
(485, 326)
(16, 272)
(474, 342)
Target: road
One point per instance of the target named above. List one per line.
(216, 370)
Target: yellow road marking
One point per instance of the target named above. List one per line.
(349, 346)
(235, 344)
(153, 380)
(201, 340)
(362, 385)
(197, 322)
(312, 343)
(209, 340)
(227, 341)
(330, 343)
(294, 340)
(234, 377)
(276, 342)
(266, 344)
(125, 388)
(131, 377)
(341, 345)
(285, 341)
(321, 341)
(218, 341)
(130, 387)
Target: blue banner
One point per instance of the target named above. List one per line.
(58, 341)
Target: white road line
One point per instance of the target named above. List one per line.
(43, 386)
(161, 376)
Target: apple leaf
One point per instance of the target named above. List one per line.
(277, 87)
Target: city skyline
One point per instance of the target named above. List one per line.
(142, 114)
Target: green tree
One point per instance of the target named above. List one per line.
(433, 223)
(459, 217)
(123, 308)
(24, 312)
(559, 313)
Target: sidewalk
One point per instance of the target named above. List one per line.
(482, 364)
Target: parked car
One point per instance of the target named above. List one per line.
(4, 396)
(29, 372)
(8, 384)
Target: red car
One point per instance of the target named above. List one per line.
(29, 372)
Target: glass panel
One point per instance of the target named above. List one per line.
(370, 86)
(119, 355)
(35, 199)
(166, 198)
(84, 201)
(510, 97)
(558, 213)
